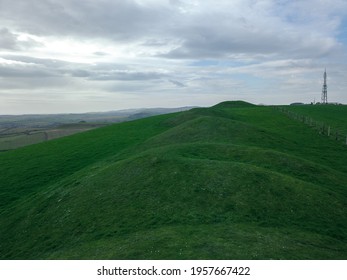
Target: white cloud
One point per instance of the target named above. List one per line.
(152, 48)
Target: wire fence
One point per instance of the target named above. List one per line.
(321, 127)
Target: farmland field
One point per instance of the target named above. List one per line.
(16, 138)
(23, 130)
(13, 140)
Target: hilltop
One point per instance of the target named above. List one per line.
(233, 181)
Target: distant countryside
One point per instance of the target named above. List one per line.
(24, 130)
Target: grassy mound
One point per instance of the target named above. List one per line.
(234, 181)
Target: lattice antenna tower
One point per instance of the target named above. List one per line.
(325, 89)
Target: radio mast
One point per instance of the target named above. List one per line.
(325, 89)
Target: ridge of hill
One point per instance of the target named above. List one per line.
(23, 130)
(330, 114)
(233, 181)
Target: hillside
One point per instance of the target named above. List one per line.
(23, 130)
(234, 181)
(333, 115)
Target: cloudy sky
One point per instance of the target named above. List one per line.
(99, 55)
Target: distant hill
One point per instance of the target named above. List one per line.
(234, 181)
(23, 130)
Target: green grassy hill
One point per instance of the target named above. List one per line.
(334, 115)
(234, 181)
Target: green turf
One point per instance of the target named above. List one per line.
(333, 115)
(234, 181)
(31, 168)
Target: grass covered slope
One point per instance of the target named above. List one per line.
(234, 181)
(334, 115)
(29, 169)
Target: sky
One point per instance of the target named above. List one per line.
(72, 56)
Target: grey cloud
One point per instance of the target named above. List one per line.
(25, 71)
(125, 76)
(30, 81)
(209, 46)
(25, 66)
(117, 19)
(79, 73)
(227, 38)
(204, 30)
(7, 39)
(177, 83)
(159, 42)
(21, 73)
(10, 41)
(43, 62)
(100, 53)
(152, 43)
